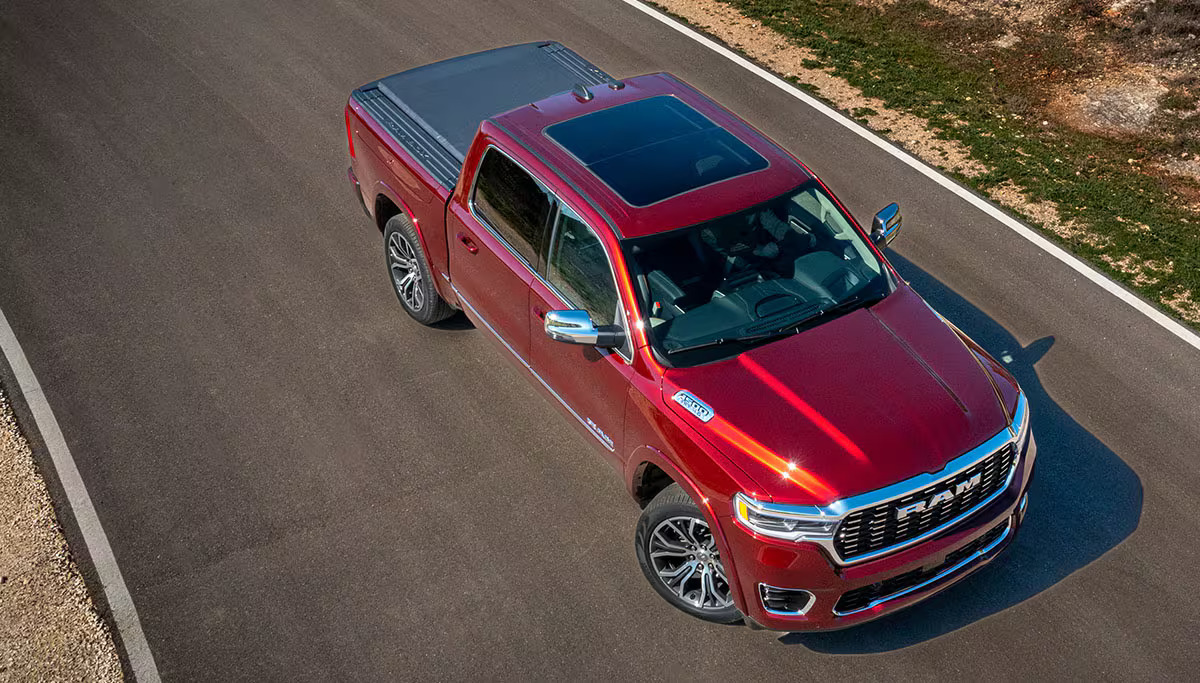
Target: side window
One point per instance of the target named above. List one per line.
(514, 204)
(578, 267)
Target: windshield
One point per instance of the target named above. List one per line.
(712, 290)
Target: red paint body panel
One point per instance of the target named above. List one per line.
(784, 172)
(593, 381)
(385, 169)
(852, 405)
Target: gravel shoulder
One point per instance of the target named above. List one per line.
(49, 628)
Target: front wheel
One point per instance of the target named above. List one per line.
(679, 556)
(411, 279)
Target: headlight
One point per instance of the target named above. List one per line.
(777, 522)
(1021, 422)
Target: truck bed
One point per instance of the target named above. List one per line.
(433, 111)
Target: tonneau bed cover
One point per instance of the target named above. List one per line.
(433, 111)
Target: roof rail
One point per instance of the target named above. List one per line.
(582, 93)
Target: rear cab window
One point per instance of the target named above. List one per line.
(513, 204)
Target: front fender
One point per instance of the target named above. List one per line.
(635, 465)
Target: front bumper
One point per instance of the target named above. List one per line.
(896, 581)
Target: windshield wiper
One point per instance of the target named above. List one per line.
(856, 301)
(843, 306)
(745, 338)
(791, 328)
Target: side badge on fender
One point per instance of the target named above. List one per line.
(693, 405)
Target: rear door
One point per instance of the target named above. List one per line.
(495, 239)
(591, 383)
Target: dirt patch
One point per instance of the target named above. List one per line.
(1184, 166)
(797, 63)
(1124, 102)
(1023, 11)
(49, 628)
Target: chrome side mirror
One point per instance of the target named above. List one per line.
(576, 327)
(886, 225)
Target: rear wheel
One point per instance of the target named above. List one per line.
(409, 270)
(678, 554)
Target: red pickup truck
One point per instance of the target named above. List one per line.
(813, 446)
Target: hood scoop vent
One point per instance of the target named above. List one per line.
(693, 405)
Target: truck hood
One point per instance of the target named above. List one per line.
(855, 404)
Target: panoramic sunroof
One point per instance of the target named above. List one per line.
(652, 149)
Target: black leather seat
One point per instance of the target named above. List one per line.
(826, 274)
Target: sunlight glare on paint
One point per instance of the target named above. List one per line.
(805, 409)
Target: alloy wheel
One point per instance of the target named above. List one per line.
(683, 553)
(406, 271)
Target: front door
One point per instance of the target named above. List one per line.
(591, 383)
(495, 240)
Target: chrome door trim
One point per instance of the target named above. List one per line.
(594, 431)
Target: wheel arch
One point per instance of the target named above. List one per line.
(649, 471)
(387, 204)
(644, 465)
(649, 478)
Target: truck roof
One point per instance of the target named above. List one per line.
(654, 153)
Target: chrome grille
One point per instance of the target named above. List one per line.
(879, 527)
(866, 596)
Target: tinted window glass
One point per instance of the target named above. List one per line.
(652, 149)
(718, 288)
(512, 203)
(578, 267)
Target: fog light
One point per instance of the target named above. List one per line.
(785, 601)
(1021, 507)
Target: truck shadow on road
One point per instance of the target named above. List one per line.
(1084, 500)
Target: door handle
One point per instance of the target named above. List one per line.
(468, 243)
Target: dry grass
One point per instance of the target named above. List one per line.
(49, 628)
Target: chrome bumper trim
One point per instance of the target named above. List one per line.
(970, 559)
(762, 587)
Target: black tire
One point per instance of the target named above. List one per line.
(417, 294)
(673, 507)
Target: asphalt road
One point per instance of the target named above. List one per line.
(299, 483)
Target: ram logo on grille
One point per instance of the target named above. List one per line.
(940, 497)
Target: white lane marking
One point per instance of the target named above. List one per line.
(119, 601)
(1162, 319)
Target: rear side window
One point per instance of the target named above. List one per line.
(578, 268)
(514, 204)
